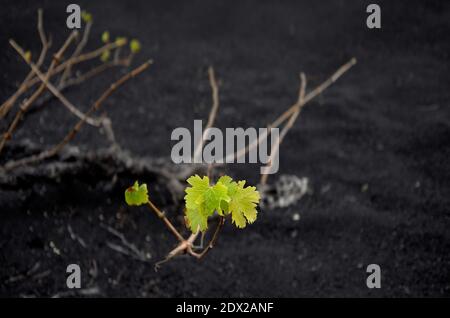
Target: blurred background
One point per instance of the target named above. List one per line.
(374, 148)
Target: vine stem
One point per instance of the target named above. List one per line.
(213, 111)
(46, 84)
(75, 53)
(284, 116)
(276, 147)
(6, 106)
(24, 107)
(163, 217)
(30, 81)
(211, 243)
(98, 103)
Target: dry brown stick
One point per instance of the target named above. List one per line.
(55, 149)
(163, 217)
(213, 112)
(90, 55)
(85, 57)
(294, 116)
(182, 247)
(27, 104)
(44, 78)
(81, 58)
(94, 72)
(276, 147)
(7, 105)
(315, 92)
(75, 53)
(284, 116)
(86, 76)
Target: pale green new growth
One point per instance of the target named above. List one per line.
(137, 194)
(105, 37)
(86, 16)
(28, 56)
(121, 41)
(226, 197)
(105, 56)
(135, 46)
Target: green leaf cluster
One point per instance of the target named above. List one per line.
(226, 197)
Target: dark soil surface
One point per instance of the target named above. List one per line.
(375, 147)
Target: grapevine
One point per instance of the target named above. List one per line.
(227, 198)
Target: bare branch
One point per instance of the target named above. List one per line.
(7, 105)
(55, 149)
(44, 78)
(93, 72)
(212, 113)
(276, 147)
(77, 52)
(78, 59)
(166, 221)
(315, 92)
(24, 107)
(211, 243)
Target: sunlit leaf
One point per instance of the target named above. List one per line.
(225, 197)
(137, 194)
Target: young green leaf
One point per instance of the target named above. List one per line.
(28, 56)
(105, 56)
(137, 194)
(214, 197)
(196, 221)
(105, 37)
(86, 16)
(202, 200)
(135, 45)
(243, 203)
(195, 203)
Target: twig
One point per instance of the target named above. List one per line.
(212, 113)
(75, 237)
(84, 77)
(78, 59)
(315, 92)
(24, 108)
(55, 149)
(276, 147)
(186, 246)
(284, 116)
(211, 243)
(6, 106)
(166, 221)
(93, 72)
(44, 78)
(77, 52)
(89, 55)
(181, 248)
